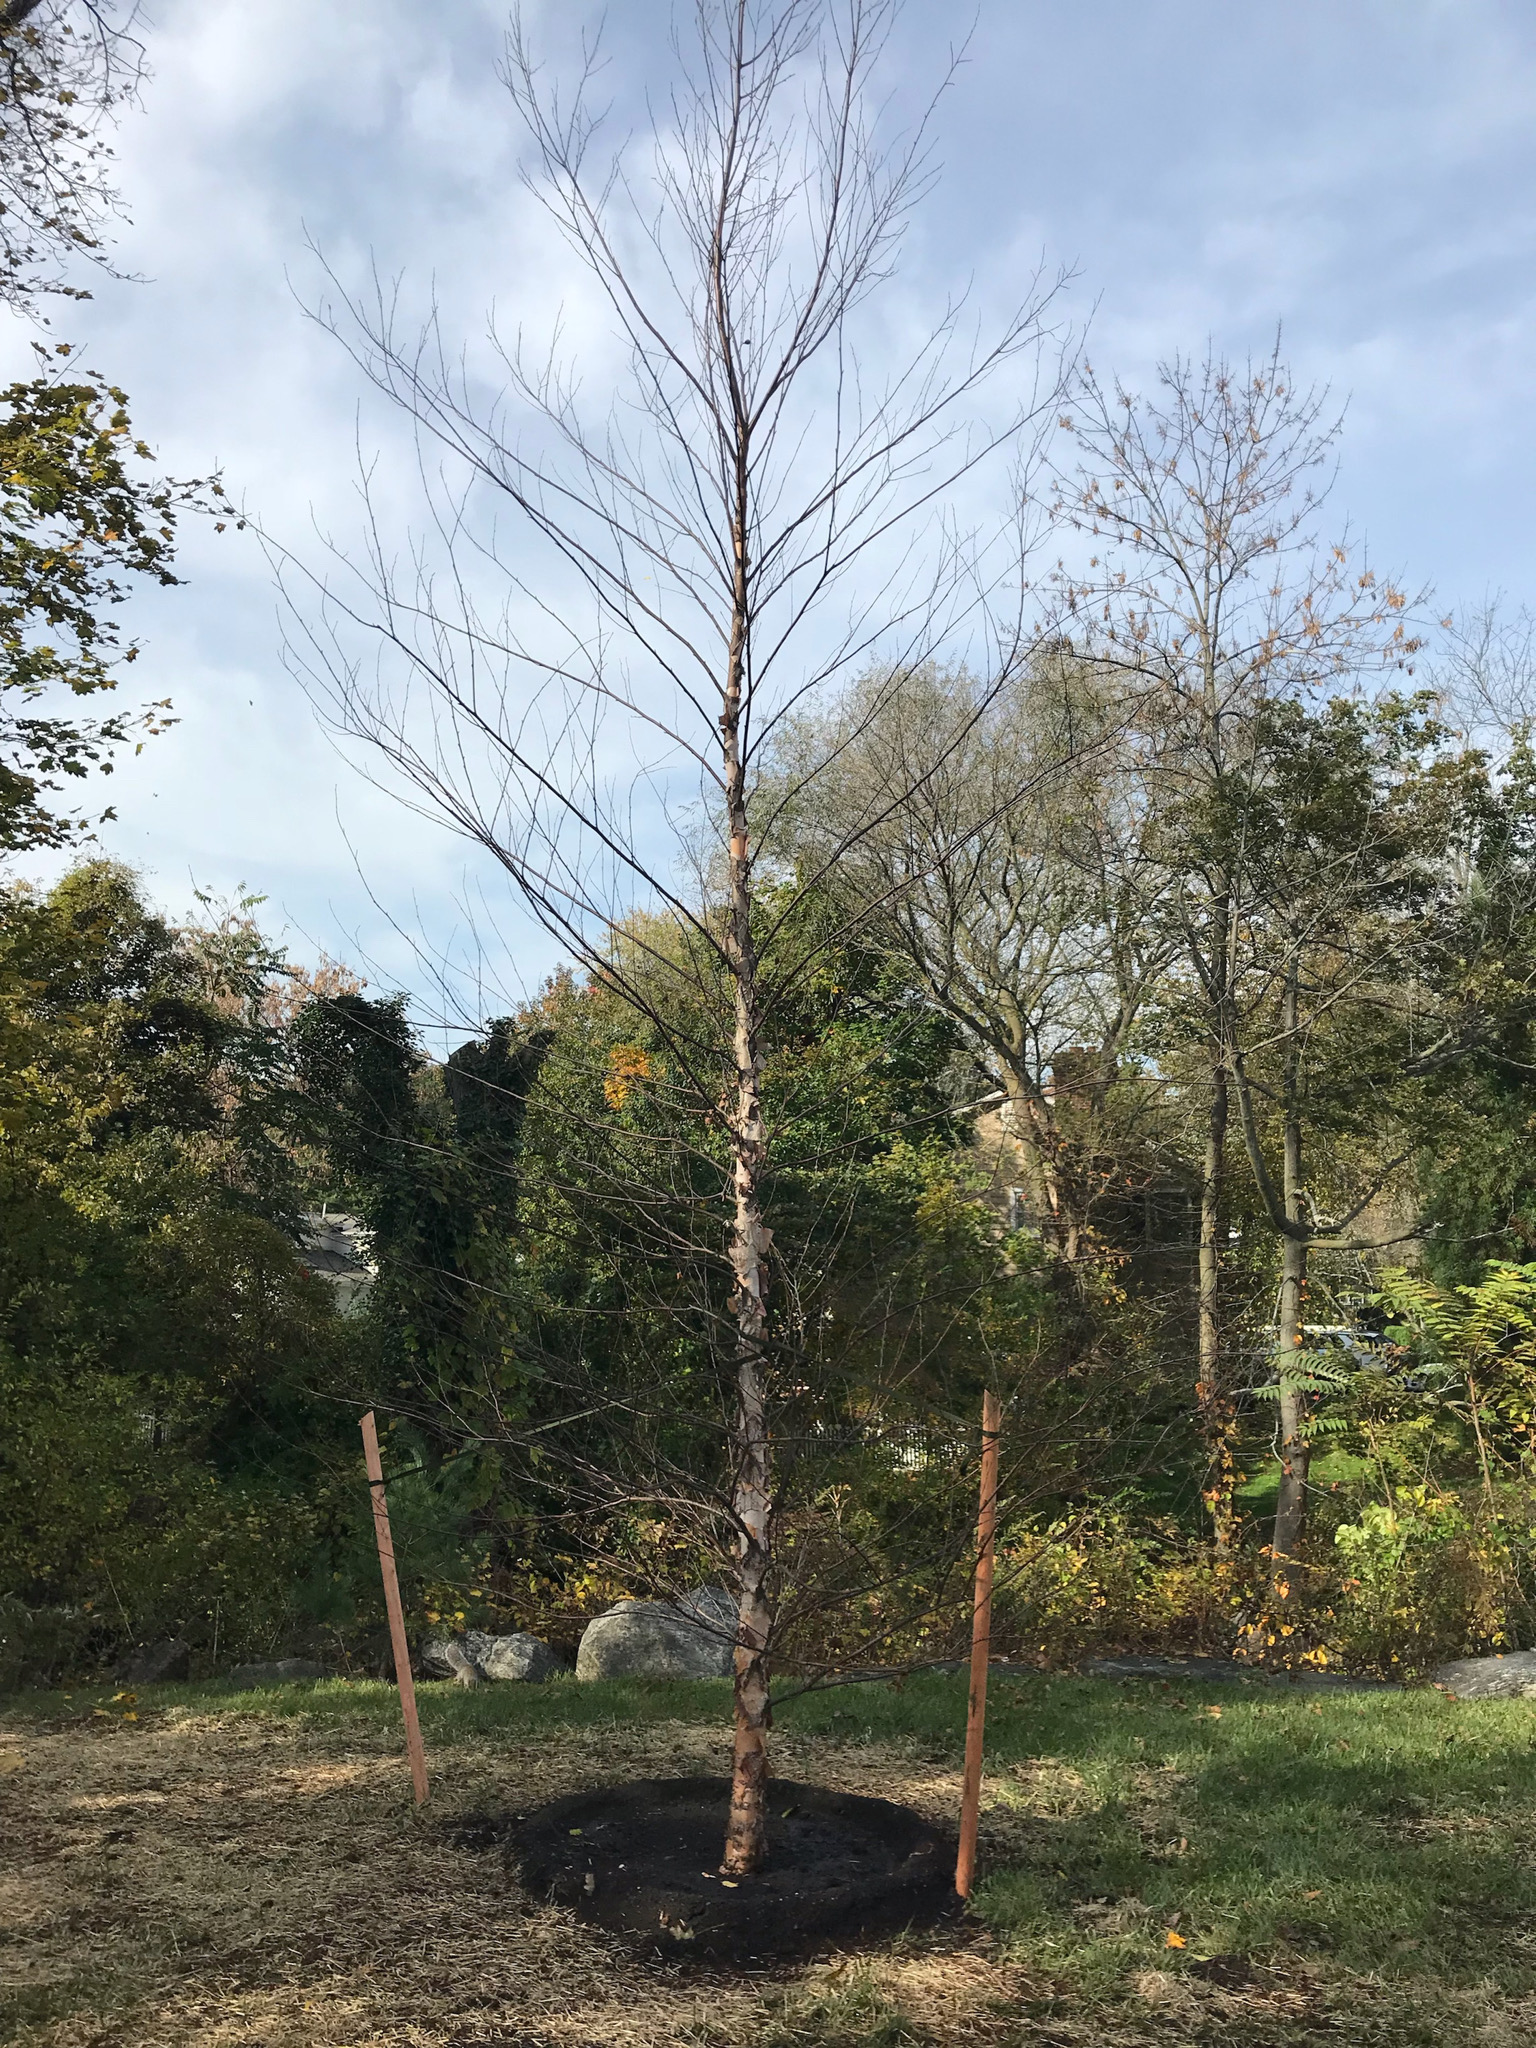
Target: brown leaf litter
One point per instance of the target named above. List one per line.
(235, 1880)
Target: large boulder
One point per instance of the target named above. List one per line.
(279, 1671)
(1510, 1677)
(520, 1657)
(445, 1656)
(693, 1636)
(476, 1655)
(156, 1663)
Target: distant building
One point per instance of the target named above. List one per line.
(334, 1247)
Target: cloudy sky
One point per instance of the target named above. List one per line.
(1362, 171)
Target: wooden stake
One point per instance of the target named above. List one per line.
(981, 1645)
(392, 1602)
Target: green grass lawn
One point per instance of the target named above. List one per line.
(1377, 1847)
(1261, 1489)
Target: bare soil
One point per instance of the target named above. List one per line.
(643, 1861)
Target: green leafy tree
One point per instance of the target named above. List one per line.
(1474, 1347)
(1476, 1182)
(82, 517)
(67, 67)
(167, 1464)
(1346, 817)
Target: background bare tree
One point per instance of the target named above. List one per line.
(1012, 873)
(1485, 669)
(761, 511)
(1208, 588)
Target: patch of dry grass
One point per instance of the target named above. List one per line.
(232, 1880)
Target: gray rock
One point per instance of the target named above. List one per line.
(519, 1657)
(691, 1637)
(712, 1607)
(1510, 1677)
(279, 1671)
(156, 1663)
(446, 1657)
(475, 1655)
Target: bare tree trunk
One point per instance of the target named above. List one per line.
(1212, 1398)
(1026, 1118)
(1474, 1412)
(1058, 1211)
(746, 1839)
(1295, 1453)
(746, 1835)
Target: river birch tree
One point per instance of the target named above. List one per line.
(657, 582)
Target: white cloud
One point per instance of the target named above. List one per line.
(1363, 173)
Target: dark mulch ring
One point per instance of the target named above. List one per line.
(642, 1861)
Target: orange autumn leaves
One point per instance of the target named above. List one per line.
(628, 1066)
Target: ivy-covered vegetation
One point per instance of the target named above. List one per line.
(180, 1392)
